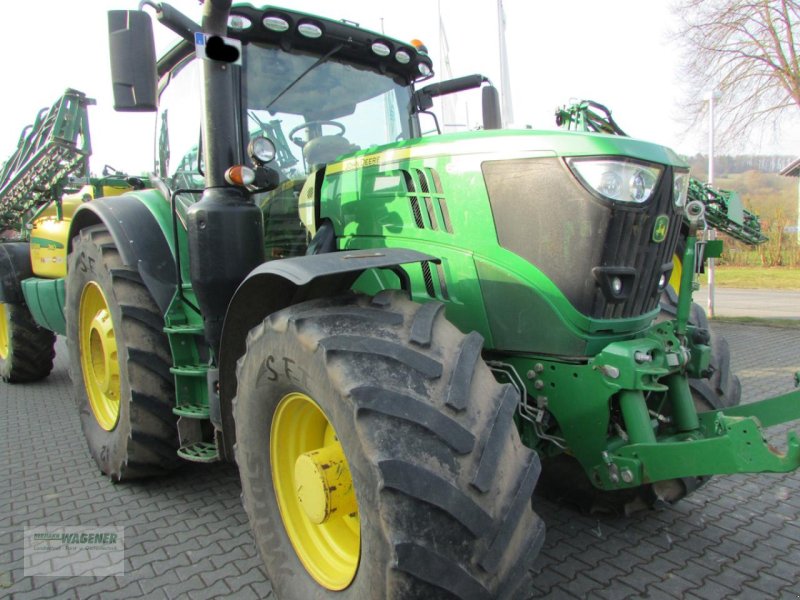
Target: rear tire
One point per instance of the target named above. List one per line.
(26, 349)
(119, 362)
(442, 481)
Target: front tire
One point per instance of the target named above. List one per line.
(119, 362)
(441, 479)
(26, 349)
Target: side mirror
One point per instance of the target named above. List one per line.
(133, 61)
(490, 103)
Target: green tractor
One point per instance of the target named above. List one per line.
(391, 333)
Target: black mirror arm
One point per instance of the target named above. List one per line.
(452, 86)
(424, 97)
(173, 19)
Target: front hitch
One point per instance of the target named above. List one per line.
(732, 441)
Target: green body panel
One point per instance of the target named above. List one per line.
(45, 299)
(487, 288)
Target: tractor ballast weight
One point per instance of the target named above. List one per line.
(437, 317)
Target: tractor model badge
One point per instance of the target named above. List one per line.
(660, 228)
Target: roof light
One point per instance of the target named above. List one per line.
(403, 57)
(277, 24)
(309, 30)
(421, 48)
(381, 49)
(240, 175)
(424, 69)
(239, 22)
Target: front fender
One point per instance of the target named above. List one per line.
(280, 283)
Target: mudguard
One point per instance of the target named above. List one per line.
(140, 224)
(280, 283)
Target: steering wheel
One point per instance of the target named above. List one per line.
(308, 124)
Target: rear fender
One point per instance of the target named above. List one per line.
(140, 223)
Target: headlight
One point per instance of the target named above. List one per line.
(680, 188)
(617, 179)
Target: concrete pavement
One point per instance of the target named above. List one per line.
(187, 536)
(737, 302)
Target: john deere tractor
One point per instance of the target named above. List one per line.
(389, 332)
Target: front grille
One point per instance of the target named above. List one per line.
(543, 214)
(629, 243)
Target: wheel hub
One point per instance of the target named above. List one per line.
(323, 484)
(104, 354)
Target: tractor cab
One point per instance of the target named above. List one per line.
(317, 89)
(314, 109)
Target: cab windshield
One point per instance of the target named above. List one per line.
(316, 109)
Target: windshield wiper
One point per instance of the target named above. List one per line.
(319, 61)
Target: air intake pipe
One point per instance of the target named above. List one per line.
(225, 229)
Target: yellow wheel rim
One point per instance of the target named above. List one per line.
(314, 490)
(99, 359)
(677, 270)
(5, 334)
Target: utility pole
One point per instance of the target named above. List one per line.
(711, 234)
(507, 111)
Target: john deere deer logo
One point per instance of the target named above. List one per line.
(660, 228)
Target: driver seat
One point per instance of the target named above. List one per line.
(325, 149)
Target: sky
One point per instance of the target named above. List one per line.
(618, 52)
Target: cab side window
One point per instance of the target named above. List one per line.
(178, 162)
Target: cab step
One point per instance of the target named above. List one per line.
(202, 452)
(191, 411)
